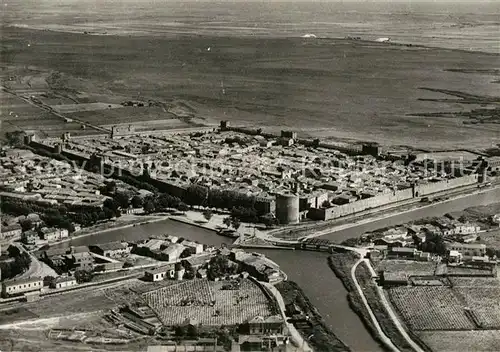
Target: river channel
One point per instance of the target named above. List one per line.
(309, 269)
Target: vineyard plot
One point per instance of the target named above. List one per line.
(484, 303)
(208, 302)
(430, 308)
(476, 340)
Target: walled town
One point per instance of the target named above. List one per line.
(283, 175)
(173, 291)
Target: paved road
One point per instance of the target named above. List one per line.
(386, 340)
(36, 269)
(391, 312)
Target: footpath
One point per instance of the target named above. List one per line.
(297, 339)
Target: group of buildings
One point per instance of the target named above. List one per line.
(197, 262)
(34, 285)
(169, 249)
(288, 176)
(459, 239)
(42, 180)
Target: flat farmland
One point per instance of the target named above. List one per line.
(321, 87)
(484, 303)
(82, 301)
(18, 115)
(67, 108)
(124, 115)
(452, 341)
(474, 282)
(411, 267)
(208, 303)
(430, 308)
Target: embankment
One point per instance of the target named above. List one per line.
(321, 336)
(364, 279)
(341, 264)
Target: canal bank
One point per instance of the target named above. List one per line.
(308, 269)
(144, 231)
(484, 198)
(326, 292)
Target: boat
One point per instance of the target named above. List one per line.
(228, 233)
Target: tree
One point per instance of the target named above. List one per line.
(180, 331)
(269, 220)
(136, 201)
(208, 214)
(434, 243)
(26, 224)
(122, 199)
(110, 204)
(235, 223)
(219, 266)
(14, 138)
(183, 207)
(13, 251)
(192, 331)
(149, 207)
(189, 274)
(48, 280)
(197, 195)
(224, 337)
(110, 187)
(21, 263)
(187, 252)
(82, 276)
(227, 221)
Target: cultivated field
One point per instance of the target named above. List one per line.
(452, 341)
(410, 267)
(81, 301)
(464, 271)
(67, 108)
(123, 115)
(430, 308)
(208, 303)
(474, 282)
(484, 303)
(325, 87)
(16, 114)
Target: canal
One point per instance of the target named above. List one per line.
(438, 209)
(142, 232)
(308, 269)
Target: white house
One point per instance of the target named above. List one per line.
(496, 219)
(161, 273)
(467, 249)
(197, 247)
(16, 287)
(465, 229)
(52, 234)
(10, 231)
(62, 282)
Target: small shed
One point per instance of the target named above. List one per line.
(394, 278)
